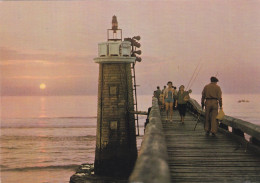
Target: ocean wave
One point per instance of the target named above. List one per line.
(68, 117)
(71, 166)
(3, 166)
(9, 148)
(59, 117)
(48, 138)
(48, 126)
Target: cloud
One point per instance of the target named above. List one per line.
(22, 62)
(12, 56)
(48, 77)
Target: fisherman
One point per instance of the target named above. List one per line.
(211, 99)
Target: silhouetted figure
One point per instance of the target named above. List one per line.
(211, 99)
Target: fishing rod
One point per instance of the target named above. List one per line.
(195, 78)
(193, 75)
(198, 119)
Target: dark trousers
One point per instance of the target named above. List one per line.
(182, 109)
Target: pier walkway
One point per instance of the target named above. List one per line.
(195, 157)
(175, 152)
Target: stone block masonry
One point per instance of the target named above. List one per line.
(116, 150)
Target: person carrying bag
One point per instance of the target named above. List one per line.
(220, 115)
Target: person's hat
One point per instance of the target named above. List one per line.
(213, 79)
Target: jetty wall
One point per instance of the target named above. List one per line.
(152, 162)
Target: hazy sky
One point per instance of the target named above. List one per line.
(54, 42)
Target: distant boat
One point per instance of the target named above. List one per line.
(243, 100)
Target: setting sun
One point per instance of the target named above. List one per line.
(42, 86)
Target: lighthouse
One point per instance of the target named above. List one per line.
(116, 150)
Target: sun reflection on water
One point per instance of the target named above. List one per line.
(43, 107)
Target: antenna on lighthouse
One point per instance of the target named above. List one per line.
(114, 34)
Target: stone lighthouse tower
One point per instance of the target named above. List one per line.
(116, 150)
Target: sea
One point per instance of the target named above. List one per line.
(45, 138)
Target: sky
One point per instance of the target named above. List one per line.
(55, 42)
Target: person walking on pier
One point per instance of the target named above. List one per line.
(164, 87)
(162, 97)
(168, 97)
(174, 100)
(157, 95)
(181, 101)
(158, 92)
(154, 93)
(211, 98)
